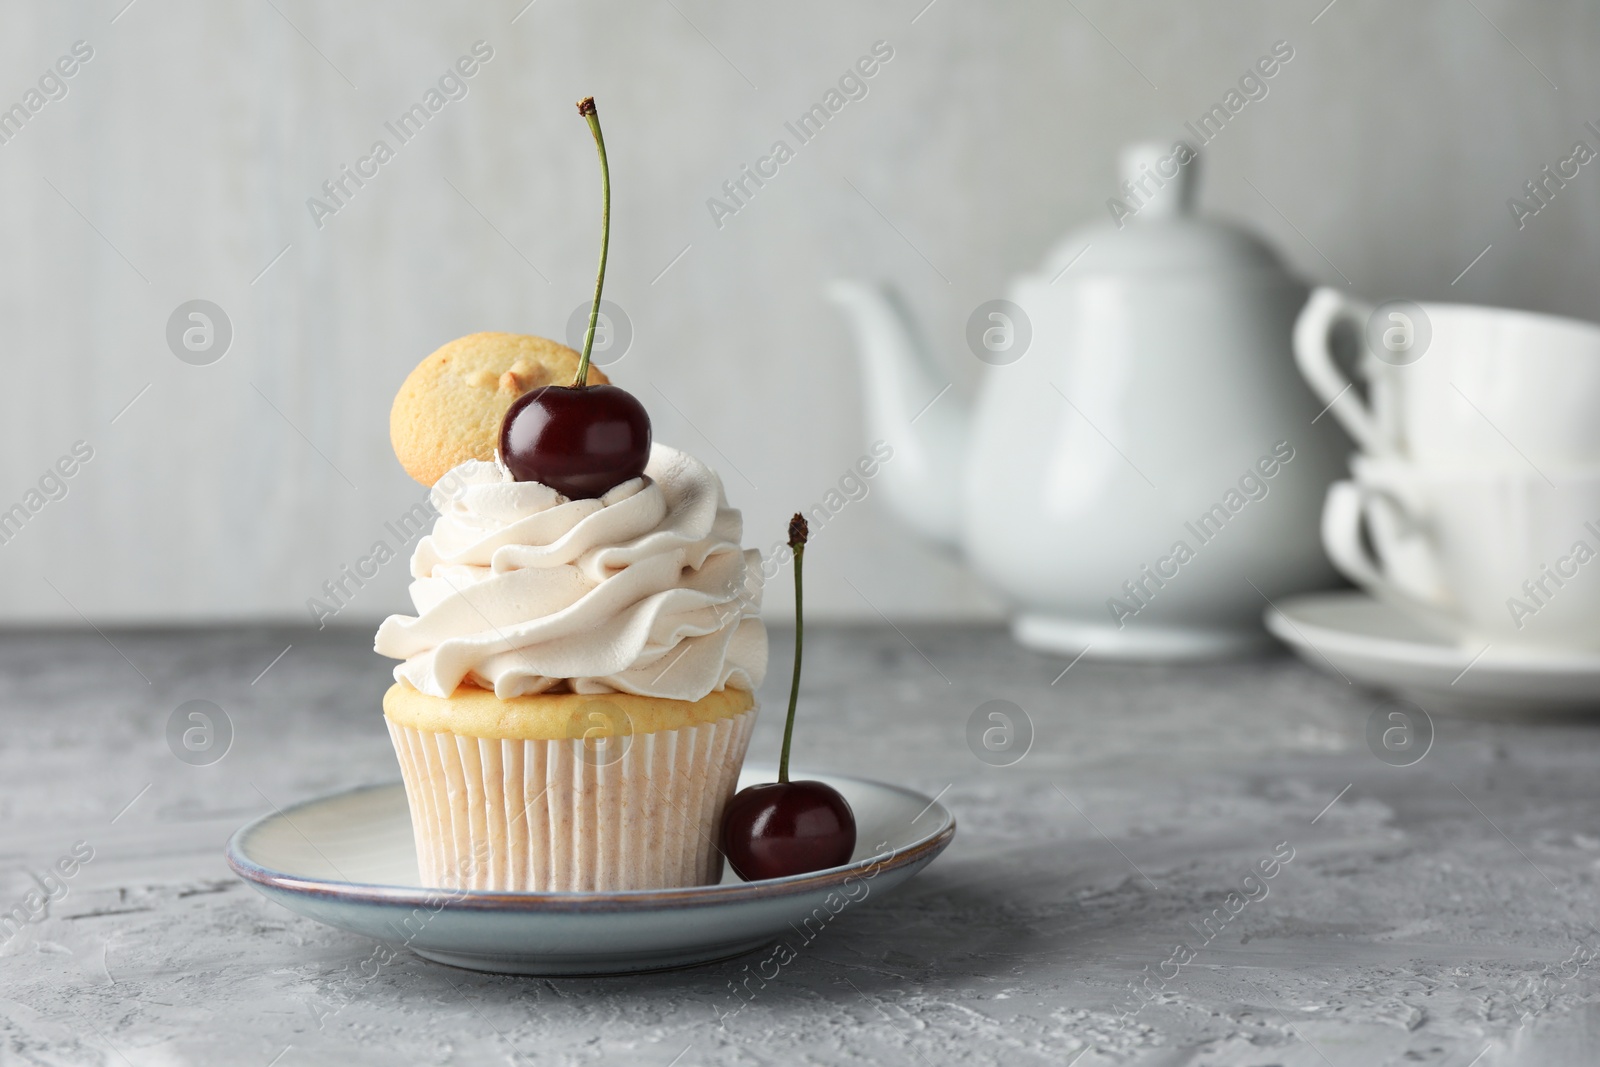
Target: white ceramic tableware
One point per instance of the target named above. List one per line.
(1457, 384)
(1501, 555)
(1358, 639)
(1139, 380)
(349, 860)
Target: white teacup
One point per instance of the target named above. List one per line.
(1498, 556)
(1459, 385)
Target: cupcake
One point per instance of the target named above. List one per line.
(576, 691)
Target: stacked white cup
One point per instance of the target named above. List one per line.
(1474, 503)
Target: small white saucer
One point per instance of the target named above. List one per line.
(1365, 640)
(349, 860)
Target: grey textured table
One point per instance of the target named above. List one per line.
(1432, 914)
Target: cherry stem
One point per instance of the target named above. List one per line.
(587, 110)
(798, 531)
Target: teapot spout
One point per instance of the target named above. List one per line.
(912, 407)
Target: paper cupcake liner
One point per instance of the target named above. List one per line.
(566, 815)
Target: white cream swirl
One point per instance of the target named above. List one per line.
(520, 590)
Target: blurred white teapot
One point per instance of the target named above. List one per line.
(1145, 466)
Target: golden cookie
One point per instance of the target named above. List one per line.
(448, 410)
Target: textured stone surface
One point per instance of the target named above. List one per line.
(1429, 916)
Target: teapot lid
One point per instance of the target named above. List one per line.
(1153, 226)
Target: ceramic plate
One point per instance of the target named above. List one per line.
(348, 860)
(1367, 641)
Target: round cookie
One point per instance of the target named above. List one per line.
(448, 409)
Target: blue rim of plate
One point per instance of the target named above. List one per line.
(629, 900)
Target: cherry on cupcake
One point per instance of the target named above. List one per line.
(581, 440)
(783, 827)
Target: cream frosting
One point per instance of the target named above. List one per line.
(520, 590)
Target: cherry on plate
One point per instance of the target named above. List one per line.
(784, 828)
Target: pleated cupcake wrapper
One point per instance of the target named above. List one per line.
(542, 816)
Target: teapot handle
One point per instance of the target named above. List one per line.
(1313, 354)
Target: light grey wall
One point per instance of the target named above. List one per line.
(179, 164)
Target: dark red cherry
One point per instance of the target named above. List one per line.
(581, 441)
(784, 828)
